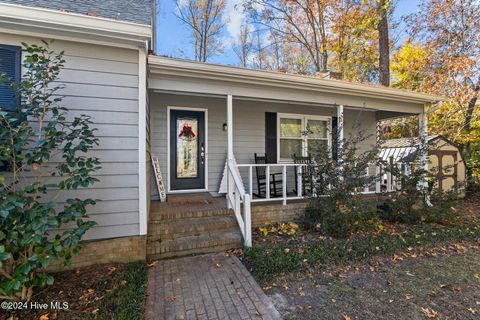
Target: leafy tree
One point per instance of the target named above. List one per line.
(410, 66)
(205, 19)
(443, 58)
(46, 154)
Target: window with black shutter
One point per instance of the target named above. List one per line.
(10, 67)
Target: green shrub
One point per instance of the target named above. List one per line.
(341, 220)
(337, 208)
(45, 154)
(413, 205)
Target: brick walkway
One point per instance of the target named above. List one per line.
(212, 286)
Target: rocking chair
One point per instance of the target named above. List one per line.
(275, 180)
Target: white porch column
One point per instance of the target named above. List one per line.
(340, 137)
(229, 127)
(340, 126)
(423, 153)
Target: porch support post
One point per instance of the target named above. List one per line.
(229, 148)
(423, 153)
(340, 137)
(229, 127)
(340, 126)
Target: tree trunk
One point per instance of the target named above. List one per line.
(383, 44)
(468, 127)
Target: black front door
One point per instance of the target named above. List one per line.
(187, 150)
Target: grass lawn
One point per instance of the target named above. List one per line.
(392, 273)
(439, 283)
(111, 291)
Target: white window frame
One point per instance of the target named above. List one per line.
(304, 120)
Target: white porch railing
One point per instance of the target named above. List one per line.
(240, 202)
(268, 170)
(240, 199)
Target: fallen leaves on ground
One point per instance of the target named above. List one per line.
(429, 313)
(153, 264)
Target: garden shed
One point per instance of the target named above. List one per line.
(445, 159)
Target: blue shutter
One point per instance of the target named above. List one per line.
(10, 65)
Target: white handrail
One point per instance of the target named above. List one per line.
(236, 196)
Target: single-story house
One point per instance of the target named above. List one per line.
(220, 136)
(445, 161)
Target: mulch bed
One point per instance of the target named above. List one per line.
(82, 289)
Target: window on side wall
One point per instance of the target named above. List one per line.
(301, 134)
(10, 67)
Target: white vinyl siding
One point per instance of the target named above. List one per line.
(248, 128)
(102, 82)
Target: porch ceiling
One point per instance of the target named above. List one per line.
(173, 75)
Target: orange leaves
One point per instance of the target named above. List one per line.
(429, 313)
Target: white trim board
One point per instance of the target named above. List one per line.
(204, 110)
(142, 142)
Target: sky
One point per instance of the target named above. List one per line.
(173, 36)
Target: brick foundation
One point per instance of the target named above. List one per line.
(117, 250)
(276, 213)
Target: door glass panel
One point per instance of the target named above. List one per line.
(187, 147)
(317, 129)
(290, 146)
(290, 128)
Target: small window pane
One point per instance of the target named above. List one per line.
(291, 128)
(317, 146)
(317, 129)
(290, 146)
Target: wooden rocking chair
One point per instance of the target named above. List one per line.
(306, 174)
(275, 180)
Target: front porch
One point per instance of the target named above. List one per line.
(208, 124)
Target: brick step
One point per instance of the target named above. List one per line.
(172, 229)
(188, 212)
(189, 245)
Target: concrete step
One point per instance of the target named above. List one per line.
(171, 229)
(194, 244)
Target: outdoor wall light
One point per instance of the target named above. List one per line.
(225, 127)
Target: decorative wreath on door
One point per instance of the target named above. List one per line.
(187, 133)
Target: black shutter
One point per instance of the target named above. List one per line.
(334, 138)
(271, 137)
(10, 66)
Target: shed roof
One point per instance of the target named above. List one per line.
(136, 11)
(403, 149)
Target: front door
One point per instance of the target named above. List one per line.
(187, 150)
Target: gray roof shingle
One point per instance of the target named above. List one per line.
(137, 11)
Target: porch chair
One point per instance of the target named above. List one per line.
(275, 179)
(306, 175)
